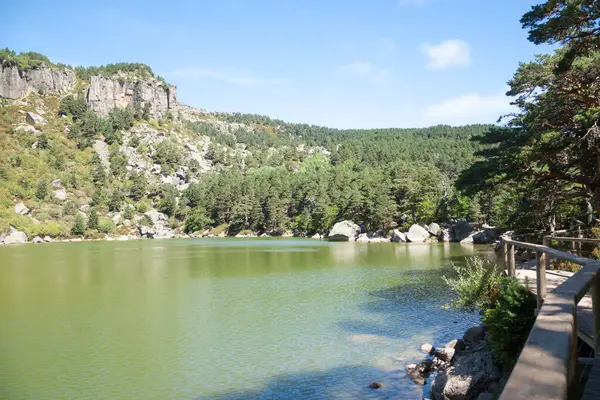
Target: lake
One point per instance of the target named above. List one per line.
(222, 318)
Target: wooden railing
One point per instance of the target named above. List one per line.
(547, 366)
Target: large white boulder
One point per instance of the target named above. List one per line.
(417, 234)
(344, 231)
(15, 236)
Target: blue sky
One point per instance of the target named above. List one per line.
(339, 63)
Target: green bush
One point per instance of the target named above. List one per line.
(42, 189)
(509, 320)
(106, 226)
(93, 219)
(475, 283)
(505, 304)
(168, 155)
(196, 221)
(78, 226)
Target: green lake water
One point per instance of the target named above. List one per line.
(221, 318)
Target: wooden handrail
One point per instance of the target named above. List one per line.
(547, 365)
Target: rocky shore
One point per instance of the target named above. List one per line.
(463, 368)
(155, 225)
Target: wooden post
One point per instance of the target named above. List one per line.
(505, 253)
(579, 235)
(596, 312)
(511, 259)
(541, 259)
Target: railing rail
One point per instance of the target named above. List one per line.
(547, 366)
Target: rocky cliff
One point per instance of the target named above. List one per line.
(103, 94)
(15, 84)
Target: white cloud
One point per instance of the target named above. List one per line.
(449, 53)
(367, 71)
(469, 109)
(236, 76)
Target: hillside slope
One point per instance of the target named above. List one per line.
(91, 152)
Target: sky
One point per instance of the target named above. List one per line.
(337, 63)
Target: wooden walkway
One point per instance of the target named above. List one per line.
(585, 319)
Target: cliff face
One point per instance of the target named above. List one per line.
(104, 94)
(15, 84)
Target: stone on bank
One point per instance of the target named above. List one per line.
(345, 231)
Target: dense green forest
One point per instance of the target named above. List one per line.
(536, 170)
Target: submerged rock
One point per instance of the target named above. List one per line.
(376, 385)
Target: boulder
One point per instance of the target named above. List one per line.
(127, 223)
(417, 234)
(398, 237)
(84, 208)
(445, 354)
(461, 230)
(362, 238)
(47, 239)
(344, 231)
(472, 374)
(37, 239)
(474, 334)
(444, 235)
(156, 216)
(487, 236)
(181, 173)
(21, 209)
(26, 129)
(60, 194)
(316, 236)
(428, 348)
(467, 240)
(116, 219)
(456, 344)
(434, 229)
(375, 385)
(15, 236)
(264, 235)
(33, 119)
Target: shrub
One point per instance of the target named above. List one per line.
(93, 219)
(505, 304)
(106, 226)
(78, 226)
(562, 265)
(41, 191)
(475, 283)
(128, 213)
(142, 207)
(509, 320)
(196, 221)
(168, 155)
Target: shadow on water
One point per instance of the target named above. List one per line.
(335, 383)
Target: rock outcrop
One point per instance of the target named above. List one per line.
(15, 84)
(473, 371)
(103, 94)
(344, 231)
